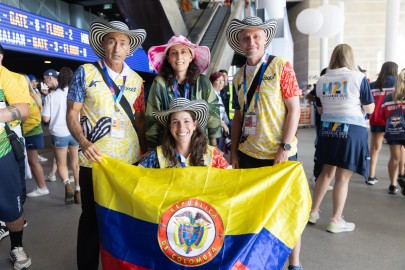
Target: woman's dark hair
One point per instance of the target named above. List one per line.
(65, 77)
(198, 145)
(387, 69)
(167, 72)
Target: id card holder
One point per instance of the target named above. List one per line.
(118, 126)
(250, 124)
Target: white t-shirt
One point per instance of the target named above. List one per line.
(55, 107)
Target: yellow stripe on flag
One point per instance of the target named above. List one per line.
(276, 197)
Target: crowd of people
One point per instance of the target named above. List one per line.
(190, 119)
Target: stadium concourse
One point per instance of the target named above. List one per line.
(377, 242)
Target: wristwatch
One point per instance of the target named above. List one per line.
(286, 146)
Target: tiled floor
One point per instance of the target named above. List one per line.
(377, 243)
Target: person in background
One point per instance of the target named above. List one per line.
(266, 119)
(311, 96)
(343, 97)
(391, 102)
(105, 127)
(225, 93)
(184, 143)
(34, 85)
(34, 140)
(14, 100)
(54, 112)
(180, 64)
(51, 83)
(383, 86)
(218, 81)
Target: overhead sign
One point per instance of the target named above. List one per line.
(30, 33)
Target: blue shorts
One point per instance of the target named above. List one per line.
(11, 207)
(377, 128)
(35, 141)
(63, 142)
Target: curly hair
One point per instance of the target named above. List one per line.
(198, 145)
(65, 77)
(387, 69)
(168, 73)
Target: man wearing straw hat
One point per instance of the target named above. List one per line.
(106, 95)
(266, 103)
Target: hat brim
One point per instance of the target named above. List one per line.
(236, 26)
(201, 55)
(98, 29)
(200, 109)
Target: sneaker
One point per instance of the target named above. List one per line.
(20, 259)
(71, 179)
(294, 267)
(38, 192)
(392, 189)
(401, 182)
(3, 232)
(68, 194)
(77, 197)
(51, 178)
(313, 217)
(342, 226)
(42, 158)
(371, 181)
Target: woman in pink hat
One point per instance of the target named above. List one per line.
(179, 64)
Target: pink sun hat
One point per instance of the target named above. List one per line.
(201, 54)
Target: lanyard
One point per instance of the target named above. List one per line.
(183, 164)
(258, 83)
(176, 89)
(110, 85)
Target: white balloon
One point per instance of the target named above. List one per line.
(309, 21)
(333, 21)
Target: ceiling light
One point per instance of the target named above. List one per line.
(47, 62)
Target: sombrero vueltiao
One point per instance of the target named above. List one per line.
(198, 107)
(98, 29)
(236, 26)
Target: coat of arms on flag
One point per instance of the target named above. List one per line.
(199, 217)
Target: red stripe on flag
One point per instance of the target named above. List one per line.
(109, 262)
(239, 266)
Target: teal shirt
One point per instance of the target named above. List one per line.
(160, 96)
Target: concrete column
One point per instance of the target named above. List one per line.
(324, 53)
(391, 30)
(275, 8)
(324, 46)
(76, 15)
(340, 35)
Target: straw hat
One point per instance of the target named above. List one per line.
(198, 107)
(236, 26)
(98, 29)
(201, 54)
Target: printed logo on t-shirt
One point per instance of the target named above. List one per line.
(335, 89)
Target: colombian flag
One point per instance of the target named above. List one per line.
(199, 217)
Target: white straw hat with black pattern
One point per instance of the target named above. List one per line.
(98, 29)
(236, 26)
(198, 107)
